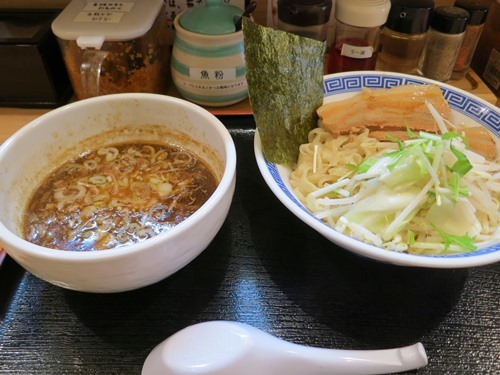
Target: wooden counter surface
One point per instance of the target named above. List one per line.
(12, 119)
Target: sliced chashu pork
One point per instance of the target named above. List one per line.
(385, 109)
(391, 111)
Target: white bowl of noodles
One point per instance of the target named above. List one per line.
(140, 126)
(465, 108)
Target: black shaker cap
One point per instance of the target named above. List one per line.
(410, 16)
(304, 12)
(450, 19)
(477, 11)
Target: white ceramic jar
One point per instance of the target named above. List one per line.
(208, 63)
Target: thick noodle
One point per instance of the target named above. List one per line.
(326, 182)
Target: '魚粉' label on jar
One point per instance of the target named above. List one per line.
(203, 74)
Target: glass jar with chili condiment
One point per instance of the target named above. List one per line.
(113, 47)
(357, 30)
(478, 13)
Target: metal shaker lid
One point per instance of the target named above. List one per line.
(477, 11)
(450, 20)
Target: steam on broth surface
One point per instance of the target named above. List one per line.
(115, 196)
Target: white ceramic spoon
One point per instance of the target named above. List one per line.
(231, 348)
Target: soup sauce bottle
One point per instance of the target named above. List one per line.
(403, 37)
(357, 30)
(308, 18)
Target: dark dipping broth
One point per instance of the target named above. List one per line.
(115, 196)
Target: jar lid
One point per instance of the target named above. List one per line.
(362, 13)
(304, 12)
(410, 16)
(94, 22)
(213, 17)
(450, 20)
(477, 11)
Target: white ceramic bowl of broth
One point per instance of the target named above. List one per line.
(465, 108)
(35, 150)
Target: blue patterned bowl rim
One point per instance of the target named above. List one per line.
(459, 100)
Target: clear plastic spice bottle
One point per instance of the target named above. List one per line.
(445, 36)
(478, 13)
(403, 37)
(357, 32)
(307, 18)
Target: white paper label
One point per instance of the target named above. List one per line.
(108, 6)
(356, 52)
(212, 74)
(104, 11)
(99, 17)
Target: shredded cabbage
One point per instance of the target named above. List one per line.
(427, 195)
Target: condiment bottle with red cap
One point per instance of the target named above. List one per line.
(357, 30)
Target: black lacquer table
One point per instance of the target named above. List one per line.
(267, 269)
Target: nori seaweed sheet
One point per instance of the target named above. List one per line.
(284, 73)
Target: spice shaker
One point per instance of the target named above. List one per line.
(445, 36)
(307, 18)
(111, 47)
(478, 13)
(402, 39)
(486, 59)
(357, 31)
